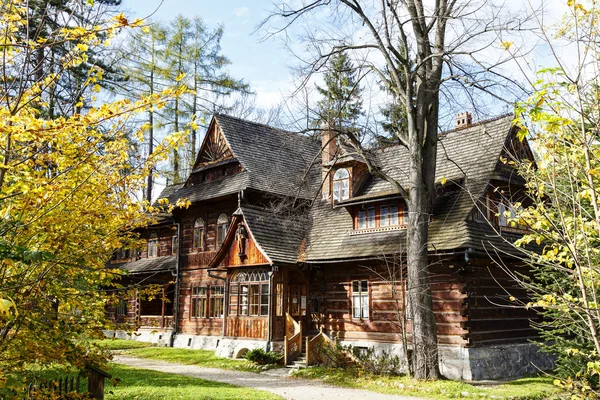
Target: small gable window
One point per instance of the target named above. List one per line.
(341, 184)
(153, 245)
(199, 234)
(222, 224)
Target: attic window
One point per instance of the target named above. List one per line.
(341, 184)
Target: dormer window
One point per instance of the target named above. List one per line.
(381, 216)
(153, 245)
(341, 184)
(199, 234)
(222, 224)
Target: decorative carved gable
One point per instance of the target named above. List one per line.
(214, 147)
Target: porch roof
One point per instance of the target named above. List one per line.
(149, 265)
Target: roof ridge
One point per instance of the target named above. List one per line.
(296, 134)
(445, 133)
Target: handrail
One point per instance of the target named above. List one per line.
(311, 346)
(292, 343)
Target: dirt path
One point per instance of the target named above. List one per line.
(274, 381)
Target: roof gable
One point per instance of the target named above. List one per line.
(215, 147)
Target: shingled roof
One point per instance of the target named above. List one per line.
(273, 161)
(149, 265)
(276, 162)
(278, 234)
(466, 158)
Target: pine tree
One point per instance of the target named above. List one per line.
(341, 103)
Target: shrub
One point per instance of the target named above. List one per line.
(261, 357)
(377, 363)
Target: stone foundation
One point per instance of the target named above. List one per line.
(479, 363)
(456, 362)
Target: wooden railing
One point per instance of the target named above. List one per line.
(292, 342)
(312, 347)
(66, 386)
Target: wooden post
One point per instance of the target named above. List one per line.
(285, 350)
(96, 379)
(307, 351)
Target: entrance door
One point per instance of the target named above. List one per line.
(297, 302)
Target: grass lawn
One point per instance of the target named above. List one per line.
(203, 358)
(522, 389)
(121, 344)
(152, 385)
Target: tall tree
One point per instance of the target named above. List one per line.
(411, 53)
(341, 104)
(143, 70)
(61, 209)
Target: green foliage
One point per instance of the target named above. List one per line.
(261, 357)
(341, 103)
(562, 121)
(121, 344)
(132, 383)
(382, 363)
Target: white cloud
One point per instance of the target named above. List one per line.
(241, 11)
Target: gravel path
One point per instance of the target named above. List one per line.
(274, 381)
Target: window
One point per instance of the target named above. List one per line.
(122, 308)
(249, 293)
(380, 216)
(124, 253)
(507, 216)
(153, 245)
(341, 184)
(198, 236)
(216, 301)
(199, 302)
(174, 245)
(371, 223)
(388, 215)
(222, 224)
(360, 299)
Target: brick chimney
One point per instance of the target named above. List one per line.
(328, 152)
(463, 120)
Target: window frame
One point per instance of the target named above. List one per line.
(199, 234)
(199, 302)
(222, 228)
(338, 194)
(152, 245)
(365, 220)
(251, 292)
(216, 297)
(364, 298)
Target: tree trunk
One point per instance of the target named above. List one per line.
(423, 143)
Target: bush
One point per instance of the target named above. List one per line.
(261, 357)
(378, 364)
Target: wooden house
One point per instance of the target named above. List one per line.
(283, 239)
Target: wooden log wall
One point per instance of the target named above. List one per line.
(209, 213)
(333, 287)
(248, 327)
(196, 325)
(492, 318)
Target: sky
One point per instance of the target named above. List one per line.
(263, 64)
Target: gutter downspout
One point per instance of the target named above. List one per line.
(269, 314)
(225, 294)
(176, 299)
